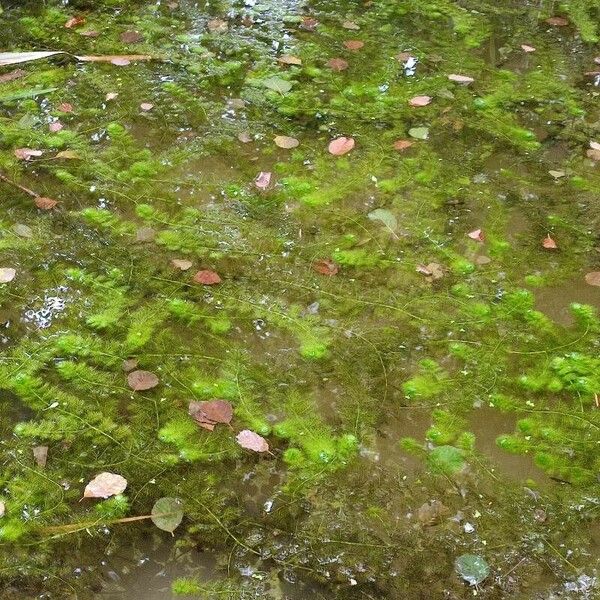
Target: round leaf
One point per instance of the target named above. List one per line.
(167, 513)
(472, 568)
(139, 381)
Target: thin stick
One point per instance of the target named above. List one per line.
(18, 186)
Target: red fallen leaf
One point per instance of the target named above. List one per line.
(527, 48)
(354, 45)
(263, 179)
(593, 278)
(549, 243)
(55, 126)
(326, 266)
(477, 235)
(309, 23)
(401, 145)
(181, 263)
(420, 101)
(140, 381)
(337, 64)
(340, 146)
(16, 74)
(105, 485)
(74, 22)
(40, 455)
(557, 21)
(45, 203)
(208, 414)
(207, 277)
(288, 59)
(65, 107)
(131, 37)
(146, 106)
(286, 142)
(26, 153)
(462, 79)
(252, 441)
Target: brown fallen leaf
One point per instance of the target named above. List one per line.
(354, 45)
(477, 235)
(549, 243)
(432, 512)
(288, 59)
(145, 234)
(309, 23)
(527, 48)
(105, 485)
(146, 106)
(217, 26)
(404, 56)
(16, 74)
(55, 126)
(129, 364)
(337, 64)
(91, 33)
(140, 381)
(26, 153)
(74, 22)
(326, 266)
(557, 21)
(131, 37)
(401, 145)
(433, 271)
(7, 274)
(420, 101)
(462, 79)
(68, 154)
(286, 142)
(252, 441)
(181, 263)
(244, 137)
(593, 153)
(206, 277)
(262, 180)
(111, 96)
(350, 25)
(40, 455)
(2, 508)
(482, 259)
(341, 145)
(65, 107)
(210, 413)
(593, 278)
(44, 203)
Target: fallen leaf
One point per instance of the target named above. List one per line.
(557, 21)
(462, 79)
(326, 266)
(557, 174)
(593, 278)
(472, 568)
(277, 84)
(549, 243)
(353, 45)
(244, 137)
(594, 145)
(105, 485)
(131, 37)
(140, 381)
(419, 133)
(341, 145)
(181, 263)
(111, 96)
(401, 145)
(527, 48)
(40, 455)
(55, 126)
(2, 508)
(262, 180)
(217, 26)
(594, 154)
(91, 33)
(433, 271)
(129, 364)
(288, 59)
(22, 230)
(44, 203)
(420, 101)
(206, 278)
(477, 235)
(210, 413)
(483, 260)
(384, 216)
(26, 153)
(286, 142)
(597, 60)
(145, 234)
(309, 23)
(252, 441)
(432, 512)
(350, 25)
(120, 61)
(404, 56)
(167, 513)
(68, 154)
(65, 107)
(7, 274)
(236, 103)
(74, 22)
(16, 74)
(146, 106)
(337, 64)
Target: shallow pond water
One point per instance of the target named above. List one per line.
(407, 316)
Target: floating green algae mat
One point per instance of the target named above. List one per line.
(300, 300)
